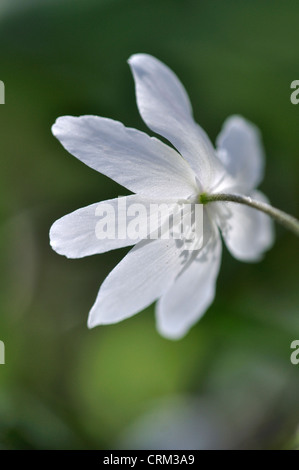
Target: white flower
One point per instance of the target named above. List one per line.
(160, 269)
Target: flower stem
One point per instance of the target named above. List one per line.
(288, 221)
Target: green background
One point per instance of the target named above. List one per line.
(230, 382)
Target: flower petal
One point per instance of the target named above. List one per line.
(77, 234)
(240, 149)
(138, 280)
(165, 107)
(142, 164)
(248, 233)
(192, 292)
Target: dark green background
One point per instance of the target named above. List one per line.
(64, 386)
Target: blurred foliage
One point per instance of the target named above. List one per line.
(64, 387)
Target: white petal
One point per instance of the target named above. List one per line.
(75, 234)
(165, 107)
(142, 164)
(248, 233)
(137, 281)
(191, 294)
(240, 149)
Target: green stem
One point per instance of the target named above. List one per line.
(288, 221)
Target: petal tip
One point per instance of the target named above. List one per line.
(91, 322)
(172, 336)
(57, 125)
(138, 56)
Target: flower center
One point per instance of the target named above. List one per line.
(203, 198)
